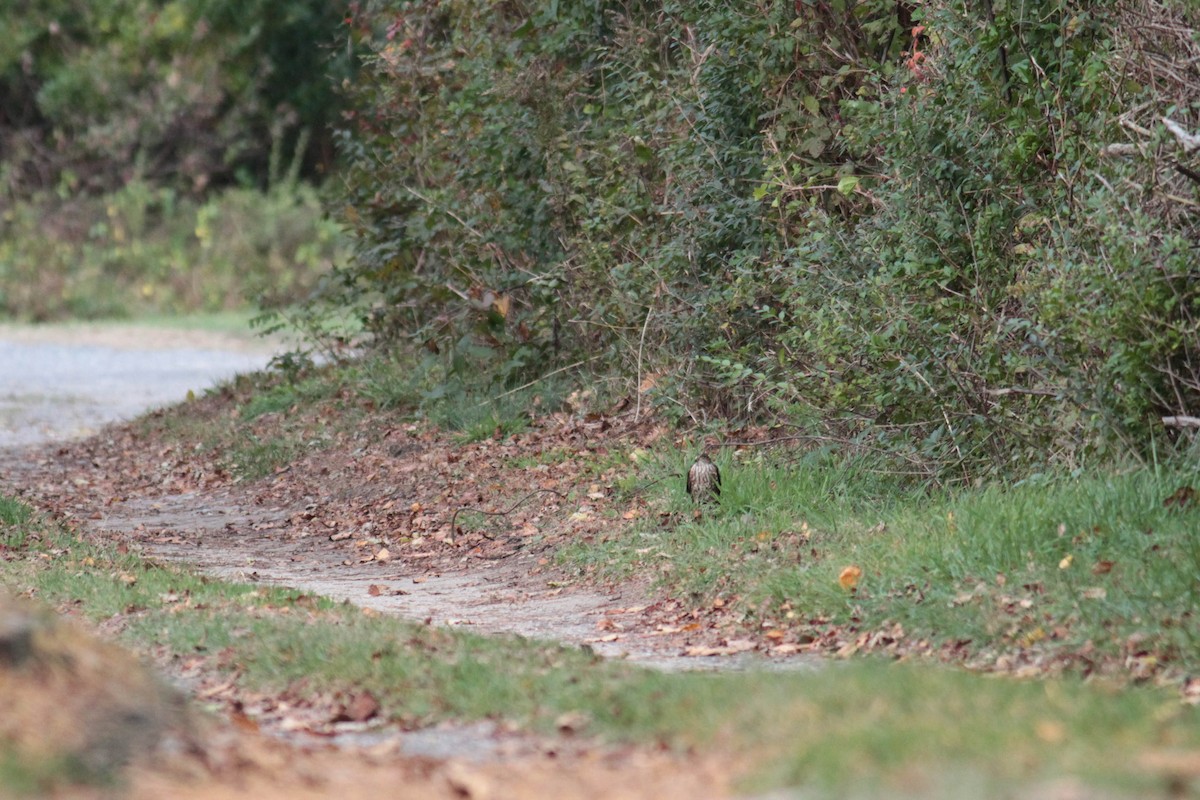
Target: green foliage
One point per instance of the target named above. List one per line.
(893, 225)
(180, 93)
(143, 249)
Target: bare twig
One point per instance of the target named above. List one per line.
(1190, 141)
(1181, 422)
(637, 389)
(1188, 173)
(1022, 390)
(506, 512)
(447, 211)
(537, 380)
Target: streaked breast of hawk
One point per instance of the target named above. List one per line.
(704, 480)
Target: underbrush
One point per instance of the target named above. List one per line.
(857, 728)
(962, 235)
(150, 250)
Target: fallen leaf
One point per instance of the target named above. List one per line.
(1066, 561)
(502, 304)
(848, 578)
(572, 722)
(1181, 498)
(649, 382)
(374, 590)
(362, 707)
(732, 647)
(383, 555)
(1050, 731)
(467, 782)
(242, 720)
(1102, 567)
(1095, 593)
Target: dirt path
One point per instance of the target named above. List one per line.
(65, 384)
(276, 532)
(223, 534)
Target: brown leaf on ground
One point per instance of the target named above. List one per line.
(1182, 497)
(361, 707)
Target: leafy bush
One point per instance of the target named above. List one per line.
(182, 93)
(889, 223)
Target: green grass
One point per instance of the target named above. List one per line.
(24, 776)
(13, 512)
(1053, 569)
(283, 396)
(852, 728)
(258, 457)
(145, 251)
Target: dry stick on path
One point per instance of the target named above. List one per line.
(505, 513)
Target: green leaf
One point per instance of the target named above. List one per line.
(847, 184)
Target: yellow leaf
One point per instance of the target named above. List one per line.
(1066, 562)
(848, 579)
(502, 304)
(1050, 731)
(1033, 637)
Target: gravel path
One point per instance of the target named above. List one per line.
(67, 381)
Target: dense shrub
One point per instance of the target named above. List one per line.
(896, 225)
(187, 94)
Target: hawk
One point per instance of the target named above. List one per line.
(704, 480)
